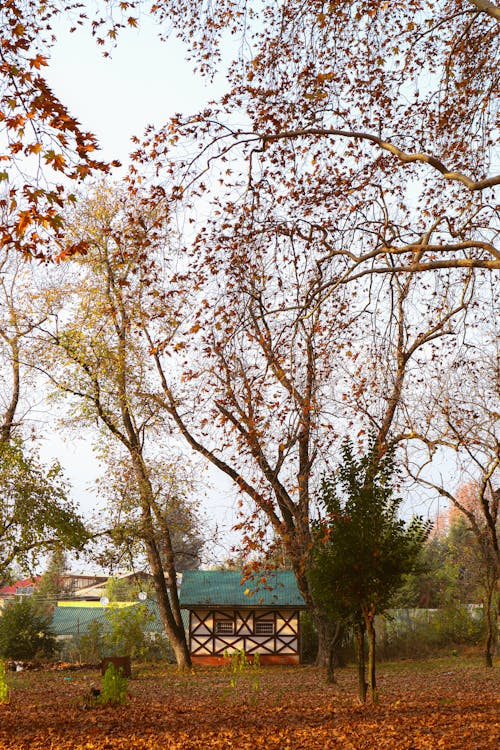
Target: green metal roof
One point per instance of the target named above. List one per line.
(76, 620)
(226, 588)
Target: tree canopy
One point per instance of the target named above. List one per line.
(35, 512)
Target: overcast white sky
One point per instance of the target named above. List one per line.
(145, 81)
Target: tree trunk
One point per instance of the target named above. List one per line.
(329, 632)
(359, 635)
(168, 605)
(490, 617)
(372, 681)
(181, 652)
(175, 633)
(329, 638)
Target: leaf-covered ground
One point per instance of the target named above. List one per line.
(431, 705)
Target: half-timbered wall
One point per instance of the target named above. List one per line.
(273, 634)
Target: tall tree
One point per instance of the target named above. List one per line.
(101, 360)
(383, 114)
(330, 101)
(50, 586)
(472, 506)
(35, 512)
(478, 568)
(458, 423)
(366, 156)
(39, 134)
(20, 313)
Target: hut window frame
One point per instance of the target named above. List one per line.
(224, 627)
(264, 627)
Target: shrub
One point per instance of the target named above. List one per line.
(4, 690)
(158, 648)
(25, 633)
(122, 635)
(420, 633)
(309, 639)
(87, 647)
(113, 688)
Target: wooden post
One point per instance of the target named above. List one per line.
(120, 663)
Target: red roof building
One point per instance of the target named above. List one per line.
(18, 589)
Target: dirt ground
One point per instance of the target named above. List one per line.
(442, 703)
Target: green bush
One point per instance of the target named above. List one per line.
(123, 635)
(25, 633)
(157, 647)
(4, 689)
(420, 633)
(113, 688)
(309, 639)
(86, 647)
(457, 626)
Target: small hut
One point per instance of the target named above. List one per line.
(228, 613)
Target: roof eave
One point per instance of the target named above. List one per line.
(246, 605)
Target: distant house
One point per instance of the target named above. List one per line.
(259, 615)
(18, 590)
(95, 590)
(71, 585)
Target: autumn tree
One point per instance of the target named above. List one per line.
(45, 150)
(355, 141)
(366, 157)
(478, 559)
(457, 568)
(98, 357)
(346, 103)
(446, 576)
(35, 511)
(473, 548)
(20, 313)
(273, 371)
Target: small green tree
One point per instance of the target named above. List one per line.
(434, 581)
(120, 590)
(25, 633)
(49, 588)
(90, 645)
(127, 632)
(362, 548)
